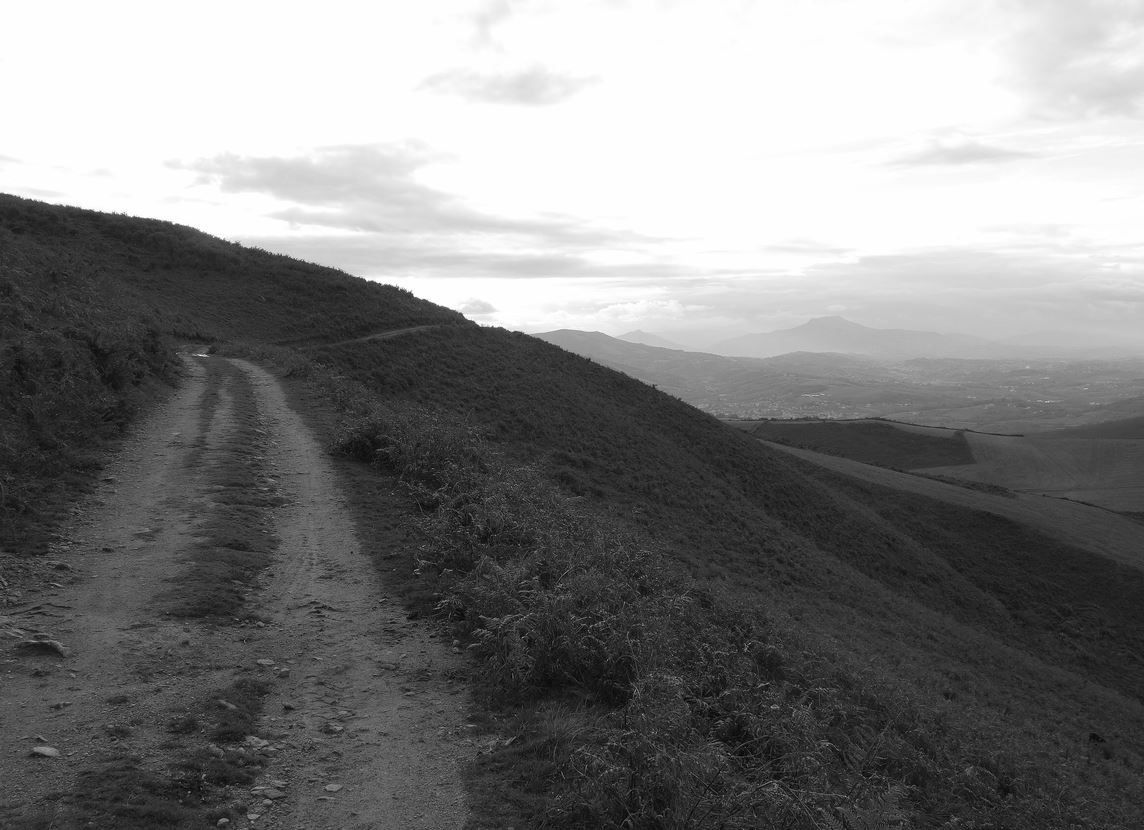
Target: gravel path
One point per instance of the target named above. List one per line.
(363, 723)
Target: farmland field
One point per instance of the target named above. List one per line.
(868, 440)
(1108, 472)
(1083, 525)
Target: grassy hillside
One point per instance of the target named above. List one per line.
(1108, 472)
(695, 630)
(77, 358)
(199, 286)
(868, 441)
(1124, 428)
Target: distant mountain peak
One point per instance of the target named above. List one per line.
(833, 322)
(837, 334)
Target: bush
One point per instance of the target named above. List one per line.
(430, 452)
(72, 373)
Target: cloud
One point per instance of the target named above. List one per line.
(8, 160)
(989, 292)
(959, 150)
(331, 176)
(380, 256)
(375, 189)
(809, 247)
(42, 193)
(992, 293)
(477, 308)
(535, 86)
(1080, 57)
(489, 16)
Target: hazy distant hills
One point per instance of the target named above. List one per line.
(648, 339)
(1014, 394)
(1074, 344)
(837, 334)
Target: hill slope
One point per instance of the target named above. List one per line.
(871, 442)
(200, 286)
(906, 640)
(1104, 471)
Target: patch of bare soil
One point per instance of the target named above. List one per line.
(146, 717)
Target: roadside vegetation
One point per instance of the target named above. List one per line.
(673, 625)
(652, 699)
(75, 366)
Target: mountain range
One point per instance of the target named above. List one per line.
(837, 334)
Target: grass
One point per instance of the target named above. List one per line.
(869, 442)
(699, 713)
(1123, 428)
(190, 791)
(74, 368)
(120, 792)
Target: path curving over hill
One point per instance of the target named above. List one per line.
(379, 335)
(315, 703)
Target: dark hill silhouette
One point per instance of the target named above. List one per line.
(959, 618)
(837, 334)
(203, 286)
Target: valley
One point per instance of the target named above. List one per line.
(1004, 394)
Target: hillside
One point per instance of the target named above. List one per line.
(197, 286)
(1108, 472)
(1125, 428)
(1082, 525)
(715, 618)
(871, 442)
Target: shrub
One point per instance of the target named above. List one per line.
(431, 452)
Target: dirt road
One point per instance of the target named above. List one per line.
(355, 715)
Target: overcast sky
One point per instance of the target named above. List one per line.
(968, 165)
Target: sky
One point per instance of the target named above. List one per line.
(699, 168)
